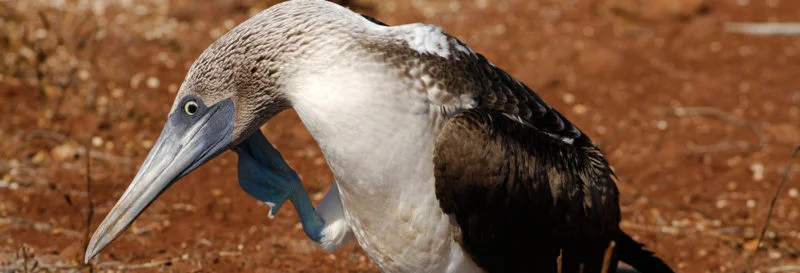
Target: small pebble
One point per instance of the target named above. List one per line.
(229, 24)
(700, 226)
(318, 196)
(136, 80)
(751, 203)
(40, 34)
(662, 124)
(733, 161)
(793, 193)
(216, 192)
(83, 75)
(749, 233)
(38, 158)
(758, 171)
(153, 82)
(580, 109)
(499, 29)
(97, 141)
(601, 130)
(751, 245)
(117, 93)
(568, 98)
(722, 203)
(771, 234)
(102, 101)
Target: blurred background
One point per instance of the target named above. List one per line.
(697, 116)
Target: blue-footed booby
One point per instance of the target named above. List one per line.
(442, 161)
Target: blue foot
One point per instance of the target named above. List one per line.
(265, 176)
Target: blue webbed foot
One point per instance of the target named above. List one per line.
(269, 186)
(264, 175)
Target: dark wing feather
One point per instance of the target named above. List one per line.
(634, 254)
(520, 196)
(498, 90)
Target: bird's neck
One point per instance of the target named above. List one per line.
(253, 62)
(364, 116)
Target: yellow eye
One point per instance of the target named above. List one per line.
(190, 107)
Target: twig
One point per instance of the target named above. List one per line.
(103, 265)
(25, 257)
(721, 146)
(121, 266)
(771, 207)
(89, 216)
(44, 134)
(660, 229)
(25, 223)
(40, 59)
(785, 268)
(676, 231)
(764, 29)
(721, 115)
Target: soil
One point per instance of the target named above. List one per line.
(698, 123)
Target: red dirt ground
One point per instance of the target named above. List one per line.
(697, 122)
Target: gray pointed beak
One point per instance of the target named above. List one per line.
(185, 143)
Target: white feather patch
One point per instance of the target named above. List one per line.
(336, 231)
(428, 39)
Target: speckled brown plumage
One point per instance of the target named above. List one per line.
(467, 77)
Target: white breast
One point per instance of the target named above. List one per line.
(377, 139)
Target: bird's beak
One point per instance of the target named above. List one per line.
(185, 143)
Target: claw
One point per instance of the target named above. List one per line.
(272, 209)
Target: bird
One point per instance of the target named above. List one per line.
(442, 161)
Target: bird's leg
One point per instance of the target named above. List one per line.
(264, 175)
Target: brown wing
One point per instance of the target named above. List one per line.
(520, 196)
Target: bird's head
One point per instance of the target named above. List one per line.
(232, 89)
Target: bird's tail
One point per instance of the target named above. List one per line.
(634, 254)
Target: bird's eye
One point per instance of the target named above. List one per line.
(190, 107)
